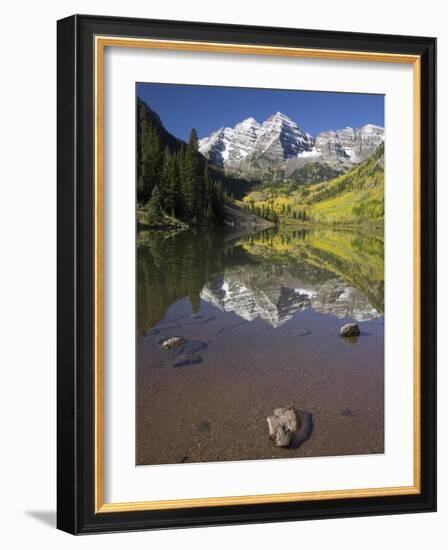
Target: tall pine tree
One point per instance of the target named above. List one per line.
(154, 207)
(151, 160)
(169, 183)
(194, 183)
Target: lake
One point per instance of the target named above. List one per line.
(260, 314)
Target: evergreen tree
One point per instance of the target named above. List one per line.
(154, 207)
(175, 184)
(151, 160)
(193, 179)
(218, 200)
(140, 188)
(182, 182)
(169, 183)
(208, 197)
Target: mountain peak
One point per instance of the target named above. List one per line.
(247, 124)
(229, 146)
(249, 120)
(279, 116)
(371, 128)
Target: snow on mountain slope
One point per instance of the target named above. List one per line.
(228, 146)
(251, 147)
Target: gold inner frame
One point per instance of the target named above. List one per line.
(101, 42)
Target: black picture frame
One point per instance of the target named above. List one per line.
(76, 263)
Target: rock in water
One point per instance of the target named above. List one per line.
(283, 425)
(184, 360)
(350, 329)
(187, 353)
(174, 342)
(194, 346)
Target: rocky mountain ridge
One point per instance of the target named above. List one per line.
(279, 148)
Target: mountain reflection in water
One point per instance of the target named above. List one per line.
(271, 275)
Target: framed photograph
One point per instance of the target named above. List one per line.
(246, 274)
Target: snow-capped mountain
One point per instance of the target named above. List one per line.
(280, 145)
(228, 146)
(280, 138)
(277, 139)
(352, 144)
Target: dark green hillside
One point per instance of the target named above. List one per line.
(174, 184)
(145, 115)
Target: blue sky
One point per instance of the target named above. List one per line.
(207, 108)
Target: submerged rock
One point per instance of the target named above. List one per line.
(194, 346)
(185, 360)
(183, 352)
(187, 354)
(203, 426)
(350, 329)
(174, 342)
(283, 425)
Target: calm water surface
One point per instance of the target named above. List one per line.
(261, 314)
